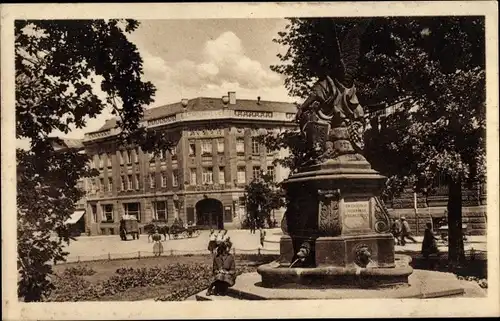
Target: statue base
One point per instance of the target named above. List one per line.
(422, 284)
(337, 230)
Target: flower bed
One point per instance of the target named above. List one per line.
(178, 280)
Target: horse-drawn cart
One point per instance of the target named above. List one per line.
(129, 225)
(179, 231)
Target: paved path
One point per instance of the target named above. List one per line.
(102, 247)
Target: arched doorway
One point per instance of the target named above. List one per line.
(209, 213)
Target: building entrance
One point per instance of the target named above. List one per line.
(209, 214)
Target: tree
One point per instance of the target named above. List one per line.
(58, 64)
(432, 70)
(262, 196)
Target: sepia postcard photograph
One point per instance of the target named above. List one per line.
(249, 160)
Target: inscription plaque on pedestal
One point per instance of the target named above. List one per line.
(356, 215)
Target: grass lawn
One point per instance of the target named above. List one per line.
(193, 277)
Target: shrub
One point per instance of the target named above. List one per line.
(79, 271)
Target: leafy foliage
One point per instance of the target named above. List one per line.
(59, 64)
(431, 70)
(79, 271)
(262, 196)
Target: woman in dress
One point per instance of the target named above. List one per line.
(212, 241)
(221, 237)
(224, 269)
(157, 247)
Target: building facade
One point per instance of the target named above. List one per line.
(216, 154)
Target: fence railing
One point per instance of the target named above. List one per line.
(169, 252)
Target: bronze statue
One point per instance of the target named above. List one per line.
(332, 118)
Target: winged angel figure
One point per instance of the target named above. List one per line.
(331, 117)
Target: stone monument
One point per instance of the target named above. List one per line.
(336, 228)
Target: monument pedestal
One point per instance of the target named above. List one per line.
(334, 215)
(421, 285)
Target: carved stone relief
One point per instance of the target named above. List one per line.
(329, 220)
(382, 220)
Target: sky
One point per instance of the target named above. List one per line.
(206, 57)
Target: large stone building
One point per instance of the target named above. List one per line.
(202, 180)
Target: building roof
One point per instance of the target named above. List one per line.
(207, 103)
(67, 143)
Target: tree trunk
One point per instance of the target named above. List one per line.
(456, 251)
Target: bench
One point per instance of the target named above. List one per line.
(443, 230)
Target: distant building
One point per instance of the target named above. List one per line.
(202, 181)
(77, 220)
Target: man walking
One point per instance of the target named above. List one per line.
(405, 232)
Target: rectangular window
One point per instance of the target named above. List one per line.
(109, 160)
(256, 172)
(242, 175)
(133, 209)
(163, 180)
(255, 146)
(136, 155)
(160, 211)
(240, 146)
(152, 181)
(129, 183)
(206, 147)
(228, 214)
(110, 184)
(102, 187)
(271, 172)
(93, 209)
(175, 177)
(220, 146)
(241, 207)
(137, 181)
(101, 160)
(173, 152)
(192, 148)
(122, 157)
(207, 176)
(193, 176)
(122, 183)
(222, 176)
(176, 208)
(107, 211)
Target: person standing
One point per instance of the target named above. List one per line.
(157, 247)
(406, 232)
(212, 241)
(221, 236)
(262, 236)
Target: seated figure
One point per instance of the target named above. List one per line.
(224, 269)
(429, 244)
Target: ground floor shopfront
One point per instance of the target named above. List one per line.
(205, 209)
